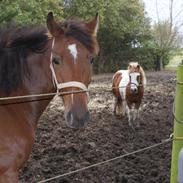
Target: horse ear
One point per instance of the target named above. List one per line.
(53, 26)
(93, 25)
(138, 66)
(129, 66)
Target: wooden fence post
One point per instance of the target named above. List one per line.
(178, 126)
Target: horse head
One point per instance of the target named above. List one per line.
(135, 77)
(74, 46)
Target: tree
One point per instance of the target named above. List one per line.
(123, 29)
(166, 37)
(25, 12)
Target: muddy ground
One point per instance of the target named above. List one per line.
(59, 149)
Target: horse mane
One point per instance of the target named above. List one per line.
(15, 44)
(141, 70)
(143, 76)
(79, 31)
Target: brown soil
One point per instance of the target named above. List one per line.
(59, 149)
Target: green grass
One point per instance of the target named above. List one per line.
(174, 62)
(170, 68)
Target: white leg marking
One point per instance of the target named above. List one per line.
(138, 124)
(134, 113)
(129, 115)
(123, 107)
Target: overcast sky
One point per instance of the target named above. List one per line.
(163, 10)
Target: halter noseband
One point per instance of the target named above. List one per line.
(60, 86)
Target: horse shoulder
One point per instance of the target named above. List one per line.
(17, 139)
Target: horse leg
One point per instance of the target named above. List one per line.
(129, 113)
(134, 114)
(123, 107)
(114, 105)
(137, 110)
(117, 106)
(137, 117)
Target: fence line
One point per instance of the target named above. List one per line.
(41, 95)
(37, 97)
(108, 161)
(113, 159)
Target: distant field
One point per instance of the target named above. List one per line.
(174, 62)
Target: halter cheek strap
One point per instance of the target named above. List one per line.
(60, 86)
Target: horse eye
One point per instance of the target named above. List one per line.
(91, 60)
(56, 61)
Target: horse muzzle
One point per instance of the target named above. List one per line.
(78, 115)
(76, 110)
(134, 91)
(75, 121)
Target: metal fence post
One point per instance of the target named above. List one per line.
(180, 167)
(178, 126)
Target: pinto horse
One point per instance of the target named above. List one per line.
(41, 60)
(128, 89)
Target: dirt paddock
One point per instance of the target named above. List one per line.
(59, 149)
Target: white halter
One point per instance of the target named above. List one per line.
(60, 86)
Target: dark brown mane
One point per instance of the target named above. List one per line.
(80, 32)
(15, 43)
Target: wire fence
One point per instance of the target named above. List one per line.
(108, 161)
(47, 96)
(163, 142)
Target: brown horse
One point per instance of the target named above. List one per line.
(128, 89)
(33, 61)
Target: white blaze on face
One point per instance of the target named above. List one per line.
(73, 51)
(134, 82)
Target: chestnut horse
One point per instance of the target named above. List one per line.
(41, 60)
(128, 89)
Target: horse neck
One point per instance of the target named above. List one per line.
(39, 81)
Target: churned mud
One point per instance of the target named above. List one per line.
(59, 149)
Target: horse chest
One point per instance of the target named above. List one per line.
(123, 83)
(134, 98)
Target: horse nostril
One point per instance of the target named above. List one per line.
(134, 90)
(77, 122)
(69, 117)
